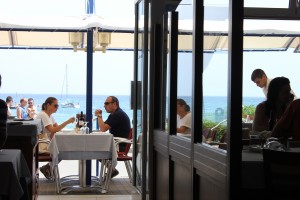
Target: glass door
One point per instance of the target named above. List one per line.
(140, 85)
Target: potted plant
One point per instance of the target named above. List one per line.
(220, 130)
(248, 111)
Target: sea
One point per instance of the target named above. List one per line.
(215, 107)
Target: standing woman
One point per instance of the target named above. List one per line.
(50, 127)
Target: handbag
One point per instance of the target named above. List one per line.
(43, 143)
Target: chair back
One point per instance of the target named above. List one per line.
(282, 173)
(128, 145)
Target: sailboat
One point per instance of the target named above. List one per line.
(67, 103)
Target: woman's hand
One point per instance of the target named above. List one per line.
(71, 120)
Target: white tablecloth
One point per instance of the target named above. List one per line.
(71, 146)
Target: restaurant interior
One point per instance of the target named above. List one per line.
(173, 43)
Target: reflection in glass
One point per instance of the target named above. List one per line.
(139, 114)
(215, 75)
(185, 74)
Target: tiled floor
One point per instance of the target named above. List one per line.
(71, 167)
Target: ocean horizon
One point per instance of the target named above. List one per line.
(211, 104)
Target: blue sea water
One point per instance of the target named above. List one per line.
(211, 103)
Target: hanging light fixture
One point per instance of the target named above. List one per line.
(99, 38)
(104, 39)
(75, 40)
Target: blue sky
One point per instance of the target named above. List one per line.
(35, 71)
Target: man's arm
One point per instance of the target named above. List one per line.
(19, 113)
(103, 127)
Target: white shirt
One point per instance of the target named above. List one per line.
(265, 89)
(185, 121)
(46, 121)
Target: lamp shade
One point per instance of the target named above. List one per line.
(104, 39)
(75, 39)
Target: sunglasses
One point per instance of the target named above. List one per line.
(106, 103)
(56, 105)
(29, 102)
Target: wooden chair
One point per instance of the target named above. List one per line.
(46, 157)
(282, 174)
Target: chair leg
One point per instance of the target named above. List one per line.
(57, 179)
(97, 167)
(129, 169)
(108, 164)
(102, 171)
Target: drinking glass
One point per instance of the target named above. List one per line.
(84, 129)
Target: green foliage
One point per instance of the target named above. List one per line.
(221, 129)
(248, 110)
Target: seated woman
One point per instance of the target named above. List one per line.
(184, 118)
(289, 124)
(50, 127)
(269, 112)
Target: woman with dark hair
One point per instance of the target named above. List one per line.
(50, 127)
(289, 124)
(269, 112)
(184, 118)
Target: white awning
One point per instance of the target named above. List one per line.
(53, 32)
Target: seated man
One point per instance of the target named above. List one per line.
(22, 110)
(117, 123)
(9, 101)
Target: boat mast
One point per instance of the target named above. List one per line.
(63, 85)
(67, 80)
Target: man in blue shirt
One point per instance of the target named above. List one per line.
(118, 122)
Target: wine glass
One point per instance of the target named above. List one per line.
(85, 129)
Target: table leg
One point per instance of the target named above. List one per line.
(82, 173)
(82, 181)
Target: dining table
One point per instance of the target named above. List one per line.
(22, 134)
(253, 167)
(70, 145)
(14, 175)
